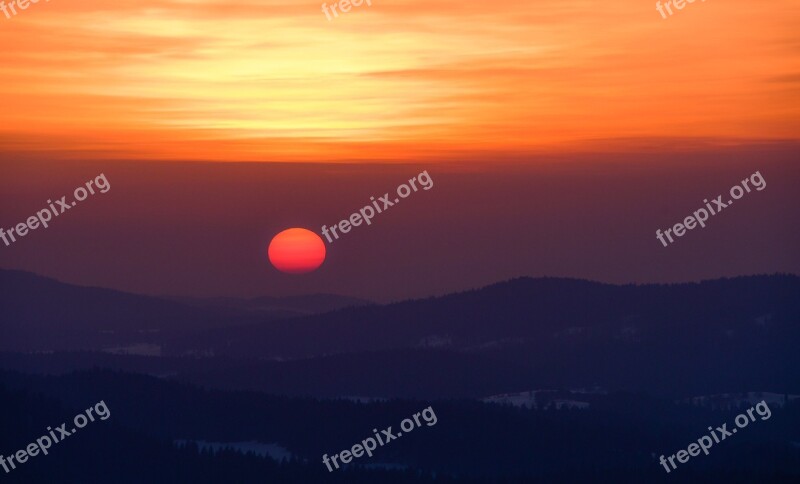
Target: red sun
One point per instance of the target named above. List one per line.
(296, 251)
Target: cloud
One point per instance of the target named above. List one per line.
(161, 78)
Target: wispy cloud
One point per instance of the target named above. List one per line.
(276, 80)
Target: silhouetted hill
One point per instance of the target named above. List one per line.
(38, 313)
(42, 314)
(533, 311)
(617, 439)
(403, 373)
(289, 306)
(680, 340)
(110, 452)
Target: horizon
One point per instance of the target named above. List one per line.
(455, 291)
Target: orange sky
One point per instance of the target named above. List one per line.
(400, 80)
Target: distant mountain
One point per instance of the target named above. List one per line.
(284, 306)
(42, 314)
(506, 365)
(527, 311)
(38, 313)
(678, 340)
(404, 373)
(387, 374)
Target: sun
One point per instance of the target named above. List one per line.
(296, 251)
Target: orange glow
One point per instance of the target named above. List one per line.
(274, 80)
(296, 251)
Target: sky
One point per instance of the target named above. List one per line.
(560, 135)
(203, 229)
(401, 80)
